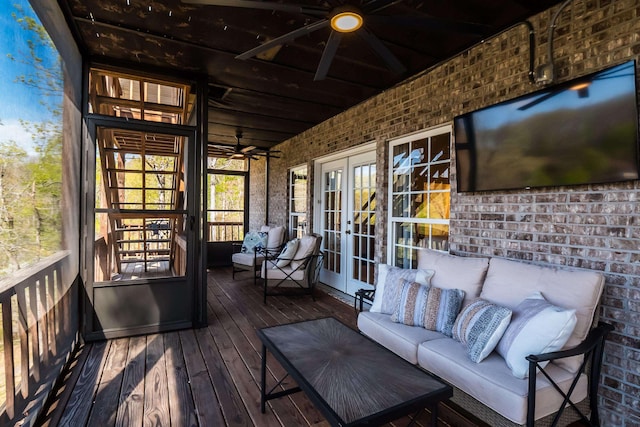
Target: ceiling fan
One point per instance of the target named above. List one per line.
(342, 20)
(240, 152)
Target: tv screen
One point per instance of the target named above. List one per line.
(581, 132)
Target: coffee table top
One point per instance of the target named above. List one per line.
(349, 377)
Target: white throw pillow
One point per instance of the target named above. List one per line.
(390, 279)
(537, 327)
(305, 248)
(287, 253)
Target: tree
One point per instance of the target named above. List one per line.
(31, 183)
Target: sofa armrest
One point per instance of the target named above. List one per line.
(591, 348)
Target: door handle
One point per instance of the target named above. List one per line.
(348, 232)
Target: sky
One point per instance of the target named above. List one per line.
(18, 101)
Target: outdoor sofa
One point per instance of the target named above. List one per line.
(490, 388)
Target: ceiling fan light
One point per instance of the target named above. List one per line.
(346, 22)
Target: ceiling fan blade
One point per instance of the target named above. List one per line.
(376, 6)
(329, 52)
(427, 22)
(382, 51)
(247, 149)
(265, 5)
(284, 38)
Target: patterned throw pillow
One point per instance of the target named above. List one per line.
(388, 282)
(536, 327)
(427, 306)
(480, 326)
(253, 241)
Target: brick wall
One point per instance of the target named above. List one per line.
(595, 227)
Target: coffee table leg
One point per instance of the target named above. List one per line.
(434, 415)
(263, 379)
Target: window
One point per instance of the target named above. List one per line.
(298, 201)
(32, 176)
(226, 186)
(419, 194)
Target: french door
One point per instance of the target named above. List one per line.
(347, 196)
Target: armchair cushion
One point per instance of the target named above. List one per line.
(253, 241)
(275, 237)
(287, 253)
(306, 247)
(247, 259)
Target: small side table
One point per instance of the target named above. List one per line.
(363, 295)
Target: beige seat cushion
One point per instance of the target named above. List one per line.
(246, 259)
(508, 283)
(403, 340)
(281, 273)
(492, 383)
(454, 272)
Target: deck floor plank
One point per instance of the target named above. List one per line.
(202, 389)
(156, 391)
(204, 377)
(131, 401)
(77, 410)
(181, 406)
(105, 407)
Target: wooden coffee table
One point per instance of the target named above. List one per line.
(351, 379)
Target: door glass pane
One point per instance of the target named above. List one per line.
(363, 222)
(332, 219)
(139, 205)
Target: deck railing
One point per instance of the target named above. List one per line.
(220, 231)
(39, 329)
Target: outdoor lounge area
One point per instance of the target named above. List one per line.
(244, 213)
(208, 376)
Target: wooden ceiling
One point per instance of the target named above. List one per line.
(274, 97)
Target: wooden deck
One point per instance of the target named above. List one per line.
(200, 377)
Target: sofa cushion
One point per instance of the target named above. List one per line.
(536, 327)
(388, 281)
(403, 340)
(509, 282)
(492, 383)
(454, 272)
(427, 306)
(480, 326)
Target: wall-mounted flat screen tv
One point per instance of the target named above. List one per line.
(581, 132)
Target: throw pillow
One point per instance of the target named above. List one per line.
(427, 306)
(388, 282)
(537, 327)
(305, 248)
(480, 326)
(287, 254)
(253, 240)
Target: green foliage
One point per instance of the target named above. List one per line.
(31, 184)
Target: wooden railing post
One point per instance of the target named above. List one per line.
(37, 302)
